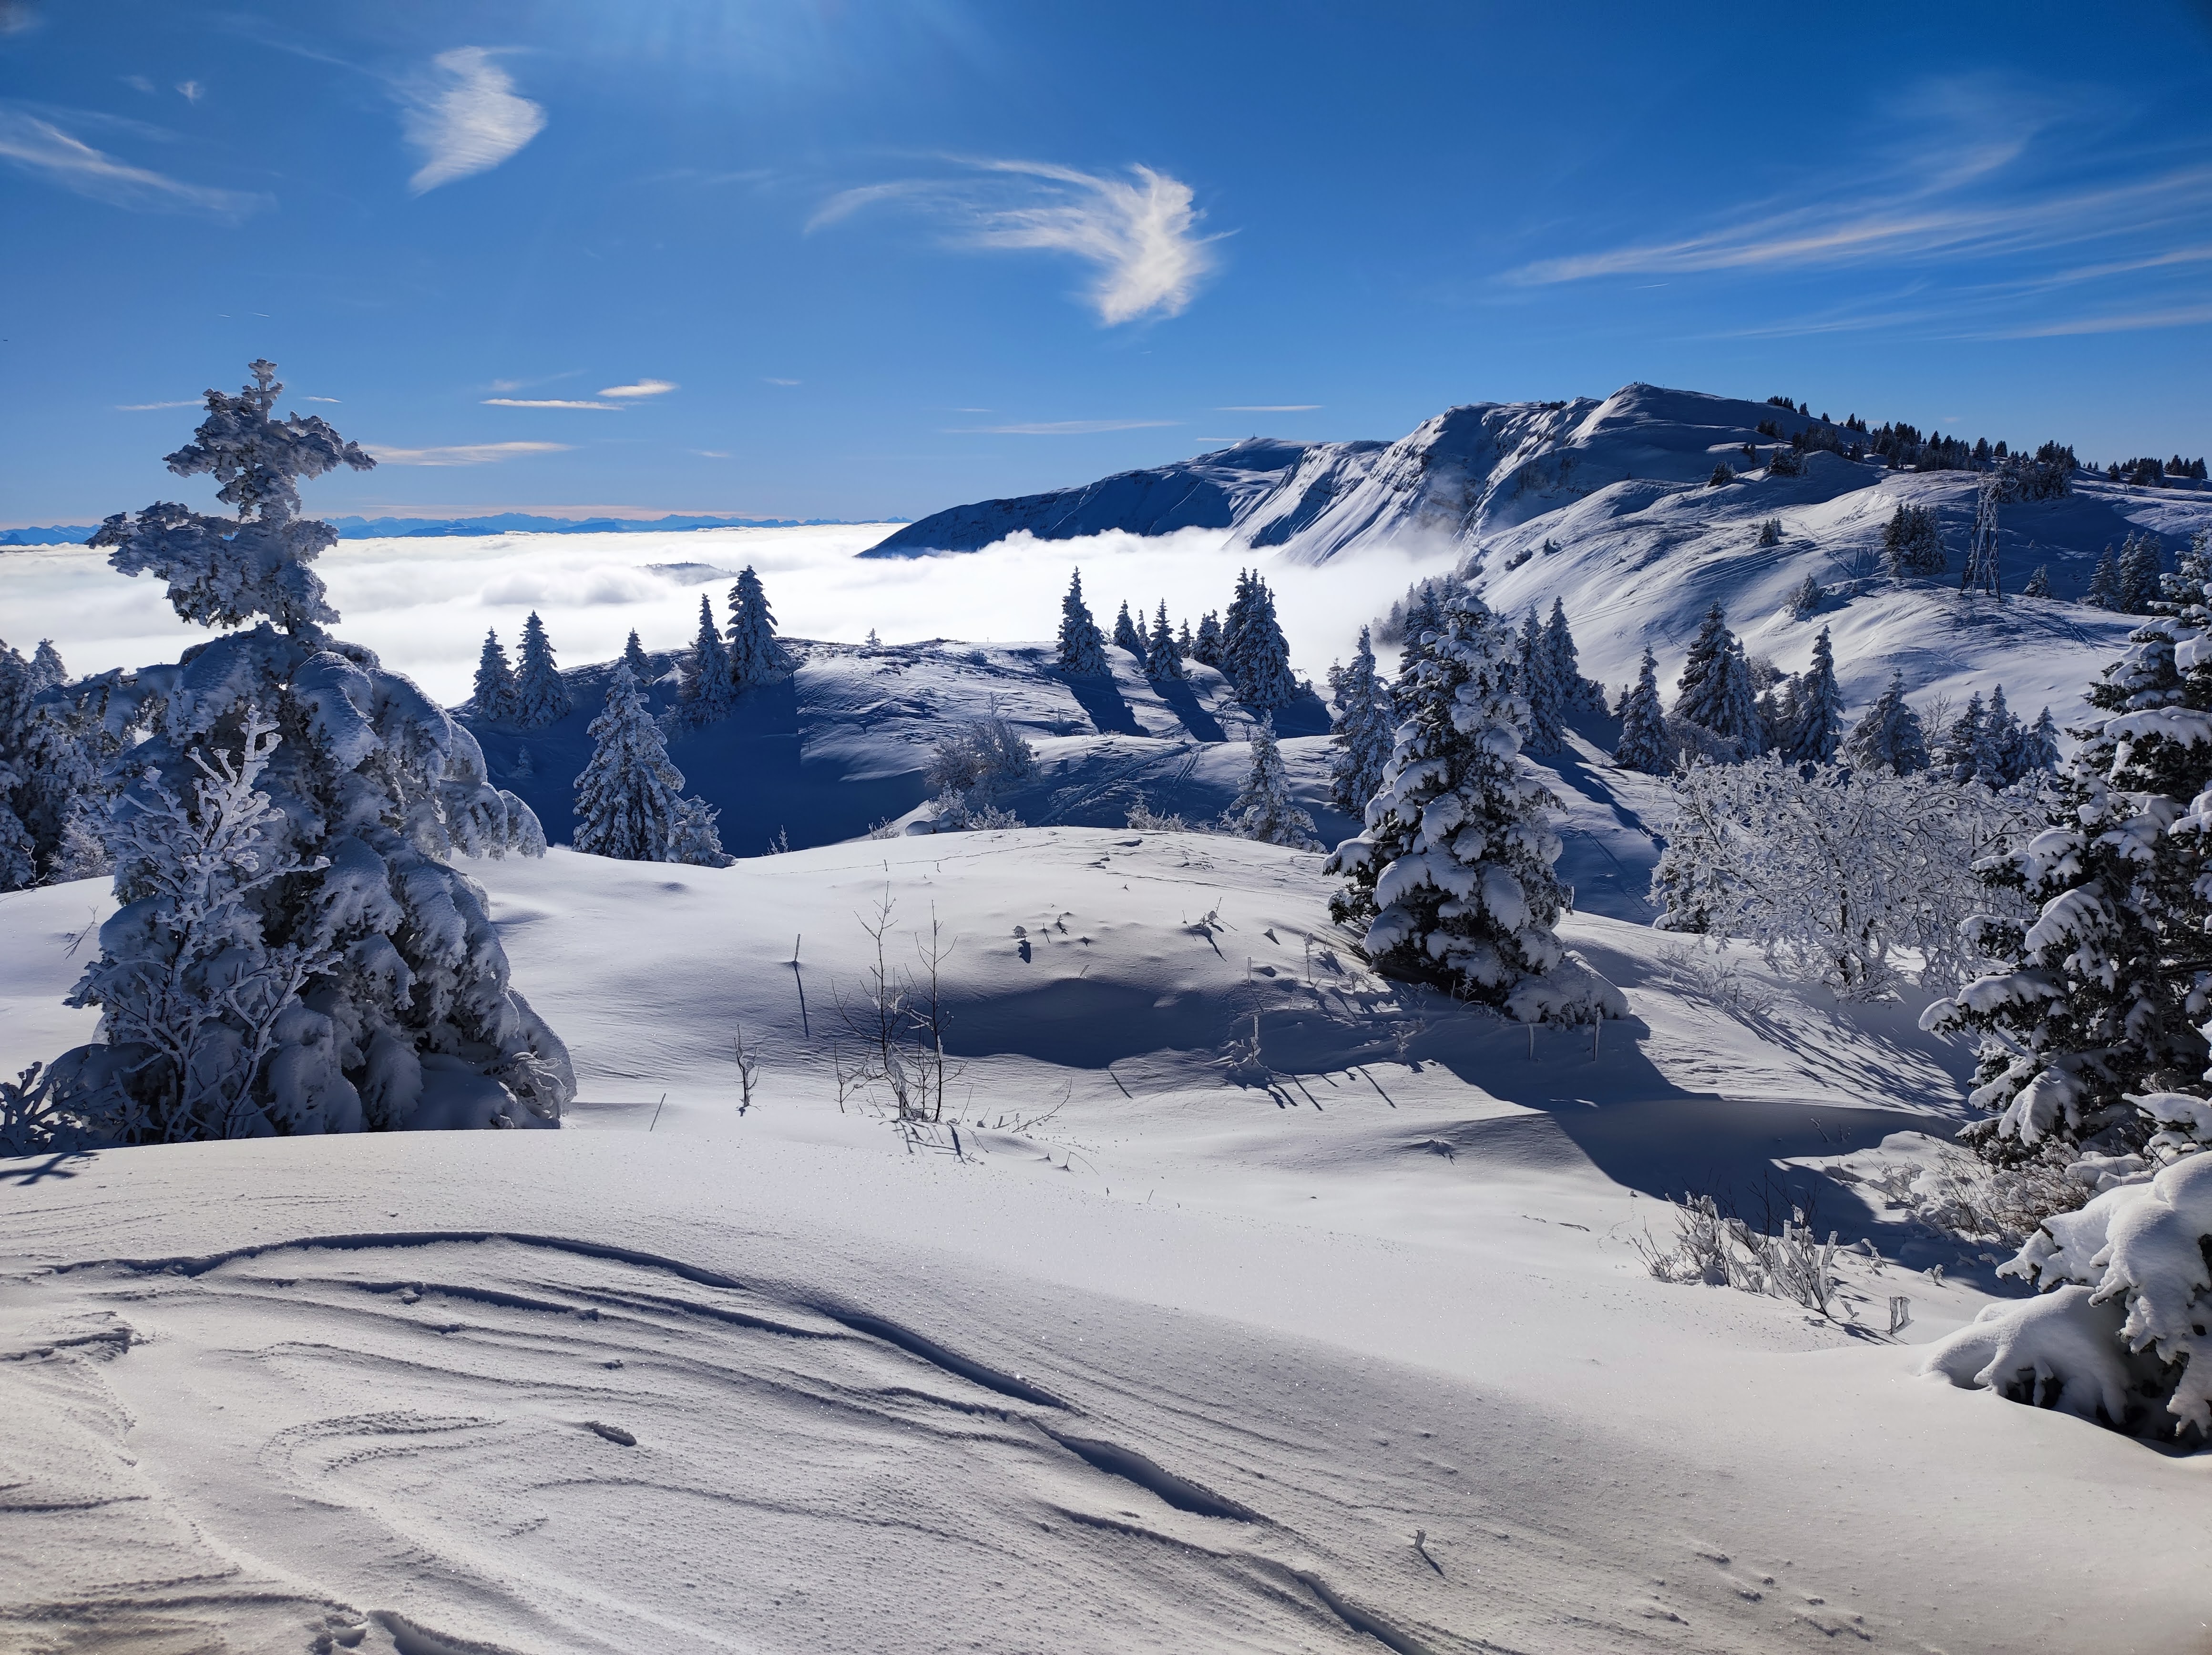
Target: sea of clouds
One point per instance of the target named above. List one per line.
(424, 605)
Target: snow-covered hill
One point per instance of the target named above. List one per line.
(1147, 1344)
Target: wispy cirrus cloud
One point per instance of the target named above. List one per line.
(641, 388)
(465, 117)
(36, 146)
(1985, 203)
(1140, 233)
(1059, 427)
(549, 401)
(476, 453)
(148, 408)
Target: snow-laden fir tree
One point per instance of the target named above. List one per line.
(634, 658)
(1163, 660)
(1963, 751)
(2104, 591)
(1264, 808)
(1816, 710)
(1912, 545)
(364, 986)
(47, 670)
(1234, 621)
(1256, 656)
(1082, 645)
(1451, 882)
(1577, 693)
(755, 656)
(2138, 572)
(495, 685)
(1805, 597)
(1184, 642)
(1715, 689)
(1644, 744)
(1540, 687)
(2039, 745)
(2039, 583)
(50, 794)
(1888, 733)
(1126, 635)
(1999, 764)
(1206, 648)
(1364, 729)
(706, 690)
(2100, 999)
(540, 697)
(629, 798)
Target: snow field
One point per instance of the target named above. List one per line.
(888, 1394)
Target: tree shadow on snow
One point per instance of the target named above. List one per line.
(1101, 703)
(1183, 700)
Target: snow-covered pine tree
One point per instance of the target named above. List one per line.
(1965, 745)
(2100, 999)
(1082, 645)
(1912, 545)
(1644, 745)
(53, 747)
(1713, 641)
(2039, 583)
(2039, 745)
(1233, 623)
(1261, 669)
(1889, 733)
(1184, 642)
(1207, 648)
(2104, 591)
(1163, 661)
(2182, 586)
(1577, 693)
(1452, 879)
(1364, 729)
(634, 658)
(495, 686)
(47, 671)
(1816, 726)
(1716, 685)
(2139, 582)
(1998, 764)
(1126, 635)
(755, 656)
(629, 798)
(408, 1018)
(540, 697)
(706, 690)
(1539, 688)
(1264, 808)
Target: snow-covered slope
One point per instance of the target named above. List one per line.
(1341, 1349)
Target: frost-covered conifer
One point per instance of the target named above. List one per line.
(1816, 710)
(2039, 583)
(630, 799)
(1126, 635)
(1364, 729)
(1889, 733)
(1577, 693)
(1644, 745)
(2100, 998)
(2039, 745)
(1805, 597)
(365, 988)
(1260, 663)
(1234, 622)
(1264, 808)
(1716, 692)
(2104, 591)
(706, 690)
(1912, 545)
(755, 656)
(222, 572)
(1184, 642)
(1163, 661)
(1540, 687)
(634, 658)
(1965, 745)
(495, 686)
(1082, 645)
(47, 670)
(540, 697)
(1999, 764)
(2138, 573)
(1206, 648)
(1452, 879)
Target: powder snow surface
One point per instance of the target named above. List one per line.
(1160, 1351)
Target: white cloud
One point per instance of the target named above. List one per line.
(45, 151)
(480, 453)
(147, 407)
(319, 399)
(192, 91)
(547, 401)
(786, 382)
(1140, 234)
(641, 388)
(465, 117)
(1061, 428)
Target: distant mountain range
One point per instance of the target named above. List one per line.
(504, 522)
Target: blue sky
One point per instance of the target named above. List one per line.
(845, 258)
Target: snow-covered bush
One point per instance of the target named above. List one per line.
(1839, 876)
(2120, 1333)
(1451, 882)
(971, 766)
(1720, 1250)
(364, 986)
(629, 798)
(1263, 808)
